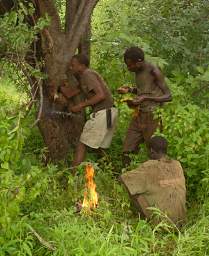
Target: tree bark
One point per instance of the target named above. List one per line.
(84, 46)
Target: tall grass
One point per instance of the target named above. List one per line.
(38, 215)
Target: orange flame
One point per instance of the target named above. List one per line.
(90, 195)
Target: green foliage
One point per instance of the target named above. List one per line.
(16, 36)
(186, 128)
(176, 31)
(140, 23)
(112, 34)
(33, 196)
(194, 240)
(171, 33)
(198, 86)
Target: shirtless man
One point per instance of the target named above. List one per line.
(98, 130)
(158, 183)
(151, 91)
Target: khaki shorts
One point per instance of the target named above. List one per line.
(95, 132)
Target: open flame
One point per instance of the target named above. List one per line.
(90, 195)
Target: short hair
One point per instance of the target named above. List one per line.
(134, 53)
(82, 59)
(158, 144)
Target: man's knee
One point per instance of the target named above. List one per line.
(126, 159)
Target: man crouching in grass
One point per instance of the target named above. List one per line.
(158, 183)
(98, 130)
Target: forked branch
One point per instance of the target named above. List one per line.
(80, 23)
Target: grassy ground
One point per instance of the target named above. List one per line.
(38, 215)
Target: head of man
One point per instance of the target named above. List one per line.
(158, 147)
(134, 59)
(79, 63)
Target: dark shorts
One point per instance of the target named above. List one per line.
(140, 130)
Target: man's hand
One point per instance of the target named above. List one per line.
(56, 96)
(123, 89)
(130, 103)
(77, 108)
(138, 100)
(60, 99)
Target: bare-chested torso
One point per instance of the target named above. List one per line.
(146, 85)
(88, 81)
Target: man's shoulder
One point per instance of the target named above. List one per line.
(150, 69)
(170, 161)
(147, 167)
(173, 165)
(177, 164)
(149, 163)
(152, 164)
(150, 66)
(89, 76)
(140, 169)
(90, 72)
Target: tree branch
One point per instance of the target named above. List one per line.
(71, 8)
(41, 104)
(42, 241)
(84, 46)
(77, 17)
(48, 7)
(79, 25)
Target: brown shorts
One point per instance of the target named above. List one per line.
(140, 130)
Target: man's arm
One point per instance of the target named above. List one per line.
(69, 92)
(99, 95)
(135, 181)
(127, 89)
(160, 82)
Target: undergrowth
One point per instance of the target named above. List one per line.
(38, 215)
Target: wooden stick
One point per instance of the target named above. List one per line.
(41, 240)
(41, 104)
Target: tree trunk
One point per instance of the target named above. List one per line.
(59, 132)
(55, 50)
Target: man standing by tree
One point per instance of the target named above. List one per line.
(151, 92)
(98, 130)
(158, 183)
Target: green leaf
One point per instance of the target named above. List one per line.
(5, 165)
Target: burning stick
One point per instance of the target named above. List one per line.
(90, 200)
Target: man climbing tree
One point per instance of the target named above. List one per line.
(51, 52)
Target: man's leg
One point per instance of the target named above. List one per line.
(132, 140)
(79, 155)
(151, 124)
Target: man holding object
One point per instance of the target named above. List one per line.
(151, 91)
(98, 130)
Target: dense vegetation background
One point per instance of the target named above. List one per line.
(175, 36)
